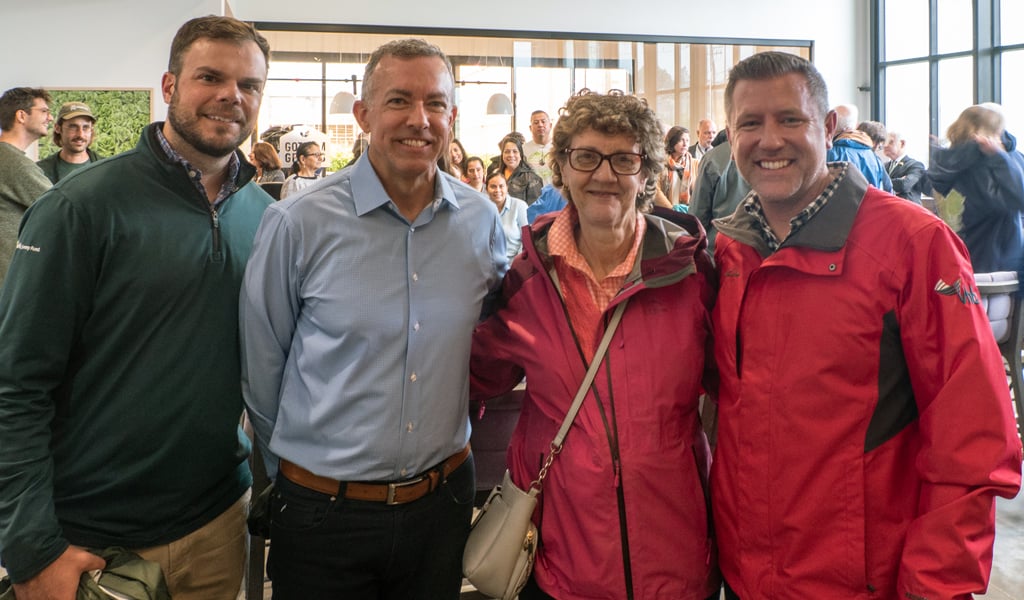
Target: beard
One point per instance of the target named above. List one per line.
(187, 126)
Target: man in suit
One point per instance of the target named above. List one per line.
(706, 130)
(908, 175)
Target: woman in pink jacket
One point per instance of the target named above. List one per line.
(623, 512)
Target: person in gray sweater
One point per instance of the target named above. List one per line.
(24, 118)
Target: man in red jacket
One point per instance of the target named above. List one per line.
(865, 421)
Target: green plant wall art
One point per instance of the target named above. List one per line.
(120, 116)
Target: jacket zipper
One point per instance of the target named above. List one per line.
(611, 430)
(215, 227)
(613, 445)
(216, 255)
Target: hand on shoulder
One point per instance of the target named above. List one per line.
(989, 145)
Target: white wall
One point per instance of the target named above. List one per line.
(124, 43)
(838, 28)
(92, 43)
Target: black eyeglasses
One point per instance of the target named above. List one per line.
(318, 155)
(588, 161)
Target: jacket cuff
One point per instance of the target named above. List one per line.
(23, 562)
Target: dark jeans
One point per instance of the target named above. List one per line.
(324, 549)
(533, 592)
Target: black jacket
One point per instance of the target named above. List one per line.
(909, 179)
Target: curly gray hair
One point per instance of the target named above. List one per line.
(614, 113)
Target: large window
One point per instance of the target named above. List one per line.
(937, 57)
(316, 75)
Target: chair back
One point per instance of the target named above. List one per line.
(998, 295)
(273, 188)
(1004, 304)
(491, 435)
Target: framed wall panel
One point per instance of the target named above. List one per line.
(121, 113)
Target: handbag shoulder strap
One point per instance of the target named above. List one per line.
(588, 380)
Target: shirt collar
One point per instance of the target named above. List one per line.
(369, 194)
(562, 242)
(752, 205)
(195, 175)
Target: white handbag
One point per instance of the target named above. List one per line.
(502, 544)
(499, 554)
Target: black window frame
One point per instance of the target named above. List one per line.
(986, 54)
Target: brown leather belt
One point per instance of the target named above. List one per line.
(399, 492)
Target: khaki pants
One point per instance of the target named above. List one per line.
(208, 563)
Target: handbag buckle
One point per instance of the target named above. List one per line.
(528, 542)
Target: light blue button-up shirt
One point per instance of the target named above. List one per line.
(513, 219)
(356, 325)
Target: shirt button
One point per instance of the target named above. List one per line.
(192, 174)
(403, 472)
(412, 377)
(415, 276)
(409, 426)
(416, 327)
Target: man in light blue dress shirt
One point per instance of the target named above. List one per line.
(357, 312)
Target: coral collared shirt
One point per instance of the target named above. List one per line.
(585, 297)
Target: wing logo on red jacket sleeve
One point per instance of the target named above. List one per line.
(958, 289)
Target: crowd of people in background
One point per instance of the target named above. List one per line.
(781, 405)
(689, 183)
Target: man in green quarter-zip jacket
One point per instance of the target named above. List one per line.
(120, 391)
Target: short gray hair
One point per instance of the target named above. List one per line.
(405, 49)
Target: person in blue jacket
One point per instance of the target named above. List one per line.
(857, 148)
(550, 200)
(983, 165)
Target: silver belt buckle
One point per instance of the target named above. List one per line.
(394, 486)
